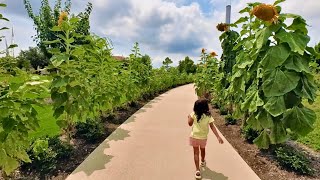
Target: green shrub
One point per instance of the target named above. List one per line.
(293, 160)
(91, 130)
(45, 153)
(230, 120)
(249, 134)
(223, 110)
(43, 159)
(62, 149)
(216, 104)
(44, 162)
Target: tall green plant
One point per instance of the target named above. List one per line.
(272, 77)
(140, 72)
(69, 88)
(49, 17)
(208, 77)
(102, 70)
(229, 40)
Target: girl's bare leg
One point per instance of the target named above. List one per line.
(203, 154)
(196, 157)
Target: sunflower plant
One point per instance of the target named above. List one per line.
(70, 87)
(271, 76)
(208, 78)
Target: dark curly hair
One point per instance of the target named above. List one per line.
(201, 107)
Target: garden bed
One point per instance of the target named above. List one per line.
(262, 162)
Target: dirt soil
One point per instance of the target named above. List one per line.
(263, 163)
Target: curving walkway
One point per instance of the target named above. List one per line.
(153, 145)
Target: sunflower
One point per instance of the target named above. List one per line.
(266, 12)
(63, 16)
(203, 50)
(213, 54)
(222, 27)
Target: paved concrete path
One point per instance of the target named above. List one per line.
(153, 145)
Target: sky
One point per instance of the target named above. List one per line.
(163, 28)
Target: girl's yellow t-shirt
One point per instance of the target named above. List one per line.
(200, 129)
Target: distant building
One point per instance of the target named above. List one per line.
(119, 58)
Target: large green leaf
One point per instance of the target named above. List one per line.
(299, 25)
(75, 91)
(297, 41)
(58, 59)
(241, 20)
(262, 36)
(299, 120)
(265, 119)
(292, 99)
(4, 112)
(263, 140)
(60, 81)
(306, 88)
(275, 56)
(59, 98)
(261, 120)
(247, 9)
(10, 165)
(254, 123)
(278, 82)
(252, 101)
(297, 63)
(8, 124)
(22, 155)
(275, 106)
(278, 133)
(58, 112)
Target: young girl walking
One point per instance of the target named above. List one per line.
(200, 120)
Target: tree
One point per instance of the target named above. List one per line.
(48, 18)
(187, 65)
(166, 62)
(34, 56)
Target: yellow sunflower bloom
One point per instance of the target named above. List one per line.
(213, 54)
(63, 16)
(222, 27)
(266, 12)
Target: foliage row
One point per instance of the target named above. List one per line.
(270, 74)
(84, 80)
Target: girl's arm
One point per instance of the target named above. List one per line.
(190, 120)
(214, 130)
